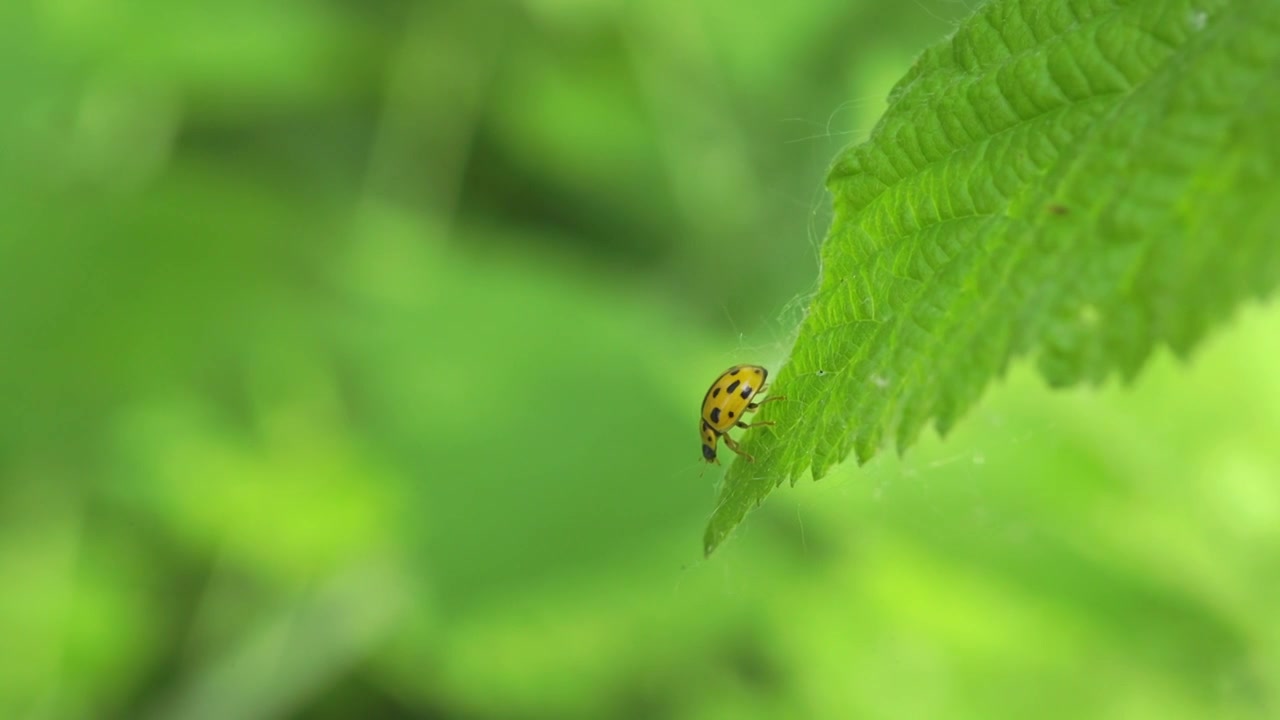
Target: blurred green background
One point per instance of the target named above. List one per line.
(349, 356)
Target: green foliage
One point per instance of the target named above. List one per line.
(1080, 181)
(347, 361)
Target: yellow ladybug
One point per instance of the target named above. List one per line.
(727, 400)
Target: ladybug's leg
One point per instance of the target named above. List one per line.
(752, 407)
(755, 424)
(733, 445)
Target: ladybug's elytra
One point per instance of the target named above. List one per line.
(730, 397)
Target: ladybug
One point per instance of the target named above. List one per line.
(728, 399)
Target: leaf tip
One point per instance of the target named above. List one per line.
(711, 540)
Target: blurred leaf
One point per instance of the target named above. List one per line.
(322, 635)
(81, 631)
(262, 55)
(517, 445)
(1054, 179)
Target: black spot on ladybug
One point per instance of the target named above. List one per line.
(715, 415)
(758, 372)
(708, 452)
(715, 393)
(746, 391)
(732, 386)
(730, 414)
(734, 372)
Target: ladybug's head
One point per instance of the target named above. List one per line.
(708, 453)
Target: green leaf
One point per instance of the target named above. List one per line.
(1079, 180)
